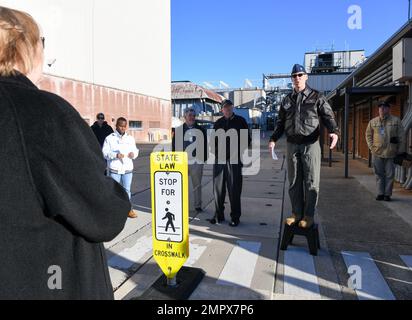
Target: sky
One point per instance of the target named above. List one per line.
(234, 40)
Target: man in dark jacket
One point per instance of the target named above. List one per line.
(192, 138)
(299, 117)
(101, 129)
(227, 171)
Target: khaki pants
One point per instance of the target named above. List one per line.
(196, 175)
(304, 164)
(385, 175)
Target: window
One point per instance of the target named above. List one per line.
(136, 125)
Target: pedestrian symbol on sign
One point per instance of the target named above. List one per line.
(170, 218)
(168, 197)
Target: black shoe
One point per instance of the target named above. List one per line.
(199, 210)
(234, 223)
(216, 221)
(380, 198)
(387, 199)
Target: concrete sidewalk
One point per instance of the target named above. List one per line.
(354, 221)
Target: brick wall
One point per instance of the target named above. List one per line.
(89, 100)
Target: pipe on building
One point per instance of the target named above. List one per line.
(370, 119)
(407, 124)
(403, 175)
(347, 110)
(408, 184)
(354, 132)
(376, 74)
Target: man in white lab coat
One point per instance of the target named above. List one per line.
(120, 150)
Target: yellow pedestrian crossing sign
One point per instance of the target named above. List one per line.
(170, 206)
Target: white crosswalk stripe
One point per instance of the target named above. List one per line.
(300, 278)
(240, 266)
(408, 261)
(196, 250)
(372, 285)
(128, 257)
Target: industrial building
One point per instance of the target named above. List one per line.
(386, 75)
(186, 94)
(333, 61)
(101, 58)
(251, 98)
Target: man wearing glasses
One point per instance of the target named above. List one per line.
(300, 115)
(101, 129)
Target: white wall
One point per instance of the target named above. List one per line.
(326, 82)
(124, 44)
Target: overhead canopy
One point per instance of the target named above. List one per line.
(358, 94)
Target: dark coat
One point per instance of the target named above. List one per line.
(237, 123)
(56, 207)
(102, 132)
(185, 144)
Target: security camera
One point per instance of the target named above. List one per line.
(51, 62)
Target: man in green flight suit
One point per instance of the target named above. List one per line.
(299, 118)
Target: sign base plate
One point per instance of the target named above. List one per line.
(188, 280)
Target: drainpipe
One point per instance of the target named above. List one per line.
(407, 124)
(370, 118)
(354, 132)
(401, 173)
(346, 135)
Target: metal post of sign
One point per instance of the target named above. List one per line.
(172, 282)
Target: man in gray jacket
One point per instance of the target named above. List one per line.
(300, 116)
(386, 140)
